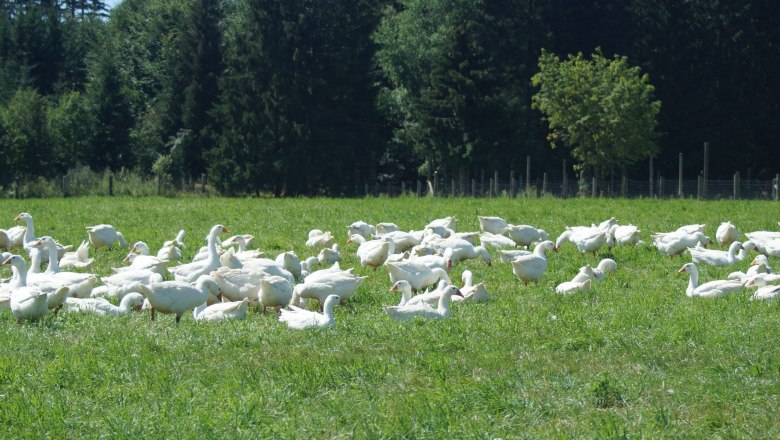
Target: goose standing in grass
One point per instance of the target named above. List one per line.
(691, 229)
(192, 271)
(178, 297)
(403, 241)
(583, 281)
(143, 262)
(493, 225)
(319, 285)
(443, 261)
(461, 249)
(275, 291)
(606, 266)
(99, 306)
(417, 274)
(529, 268)
(525, 235)
(710, 289)
(446, 222)
(248, 241)
(168, 252)
(714, 257)
(319, 239)
(507, 256)
(625, 235)
(80, 284)
(237, 284)
(424, 310)
(299, 319)
(221, 311)
(374, 253)
(105, 236)
(726, 234)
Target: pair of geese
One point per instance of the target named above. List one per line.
(718, 288)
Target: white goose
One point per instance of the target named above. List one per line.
(585, 239)
(192, 271)
(714, 257)
(605, 266)
(78, 259)
(15, 236)
(374, 253)
(177, 297)
(102, 307)
(471, 292)
(319, 239)
(290, 262)
(525, 235)
(248, 240)
(507, 256)
(711, 289)
(221, 311)
(429, 297)
(403, 241)
(446, 222)
(765, 291)
(625, 235)
(417, 274)
(386, 228)
(105, 236)
(423, 310)
(495, 240)
(406, 291)
(275, 291)
(143, 262)
(299, 319)
(321, 284)
(461, 249)
(29, 238)
(493, 225)
(80, 284)
(168, 252)
(329, 255)
(55, 291)
(270, 267)
(529, 268)
(360, 228)
(569, 287)
(237, 284)
(675, 243)
(726, 234)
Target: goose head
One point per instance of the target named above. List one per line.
(25, 217)
(466, 278)
(140, 248)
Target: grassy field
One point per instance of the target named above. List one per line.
(633, 358)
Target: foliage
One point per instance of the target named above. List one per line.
(527, 363)
(602, 109)
(25, 139)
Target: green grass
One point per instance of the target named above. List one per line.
(634, 358)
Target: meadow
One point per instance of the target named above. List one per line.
(634, 358)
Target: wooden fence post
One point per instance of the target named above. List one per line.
(495, 182)
(777, 186)
(16, 188)
(203, 183)
(660, 187)
(111, 184)
(544, 183)
(700, 187)
(595, 188)
(490, 189)
(365, 189)
(680, 178)
(737, 186)
(482, 183)
(64, 187)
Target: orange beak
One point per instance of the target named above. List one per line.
(682, 269)
(394, 288)
(17, 218)
(7, 261)
(224, 229)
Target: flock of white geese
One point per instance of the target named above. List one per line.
(226, 276)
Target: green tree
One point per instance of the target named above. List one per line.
(25, 139)
(602, 109)
(70, 125)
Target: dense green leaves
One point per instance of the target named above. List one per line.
(603, 109)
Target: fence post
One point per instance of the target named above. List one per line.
(527, 175)
(661, 187)
(365, 189)
(565, 181)
(736, 185)
(544, 183)
(482, 182)
(595, 188)
(777, 186)
(680, 178)
(490, 189)
(512, 183)
(700, 187)
(651, 177)
(706, 170)
(495, 183)
(111, 184)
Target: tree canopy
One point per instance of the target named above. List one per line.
(602, 109)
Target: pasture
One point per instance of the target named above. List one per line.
(633, 358)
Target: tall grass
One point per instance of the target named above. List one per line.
(633, 358)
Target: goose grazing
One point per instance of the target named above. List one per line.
(105, 236)
(726, 234)
(417, 274)
(507, 256)
(321, 284)
(192, 271)
(625, 235)
(406, 291)
(290, 262)
(374, 253)
(299, 319)
(5, 242)
(222, 311)
(711, 289)
(492, 225)
(270, 267)
(99, 306)
(78, 259)
(605, 266)
(713, 257)
(471, 292)
(529, 268)
(495, 240)
(319, 239)
(177, 297)
(461, 249)
(54, 292)
(329, 255)
(275, 291)
(424, 310)
(433, 261)
(675, 243)
(525, 235)
(360, 228)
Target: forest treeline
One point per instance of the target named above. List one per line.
(320, 97)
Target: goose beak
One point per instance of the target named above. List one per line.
(7, 261)
(682, 269)
(18, 217)
(127, 259)
(459, 293)
(224, 229)
(555, 249)
(36, 243)
(393, 289)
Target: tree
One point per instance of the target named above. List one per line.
(603, 109)
(25, 139)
